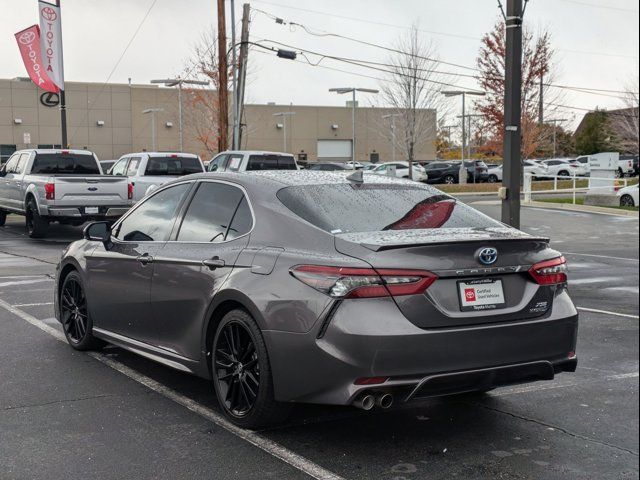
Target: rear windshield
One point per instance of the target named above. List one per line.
(346, 208)
(175, 166)
(271, 162)
(65, 164)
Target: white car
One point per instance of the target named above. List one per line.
(495, 174)
(251, 161)
(629, 196)
(535, 168)
(562, 167)
(149, 170)
(402, 170)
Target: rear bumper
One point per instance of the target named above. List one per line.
(80, 212)
(371, 338)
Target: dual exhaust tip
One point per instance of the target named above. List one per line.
(367, 401)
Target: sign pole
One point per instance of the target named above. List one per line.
(63, 101)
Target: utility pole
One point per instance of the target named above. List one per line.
(242, 67)
(223, 94)
(555, 122)
(462, 173)
(353, 91)
(393, 116)
(541, 106)
(172, 82)
(470, 116)
(234, 79)
(512, 170)
(153, 112)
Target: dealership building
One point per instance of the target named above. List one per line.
(108, 119)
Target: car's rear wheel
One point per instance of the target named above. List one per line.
(563, 173)
(74, 315)
(449, 179)
(3, 218)
(493, 178)
(627, 201)
(242, 374)
(36, 225)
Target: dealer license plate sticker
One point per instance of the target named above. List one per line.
(91, 210)
(482, 294)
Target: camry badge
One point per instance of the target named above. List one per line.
(488, 255)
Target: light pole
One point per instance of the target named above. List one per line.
(284, 116)
(353, 90)
(172, 82)
(462, 176)
(153, 112)
(555, 122)
(393, 116)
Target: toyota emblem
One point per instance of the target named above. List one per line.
(49, 14)
(488, 255)
(27, 38)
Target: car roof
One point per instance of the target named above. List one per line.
(255, 152)
(162, 154)
(57, 150)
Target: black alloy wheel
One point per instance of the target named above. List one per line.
(74, 315)
(627, 201)
(237, 369)
(449, 179)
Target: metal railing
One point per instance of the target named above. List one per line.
(528, 191)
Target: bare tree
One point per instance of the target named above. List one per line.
(627, 120)
(412, 92)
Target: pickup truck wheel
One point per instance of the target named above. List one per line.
(3, 218)
(36, 225)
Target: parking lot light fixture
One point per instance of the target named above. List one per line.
(353, 90)
(284, 116)
(153, 112)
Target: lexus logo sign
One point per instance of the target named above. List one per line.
(27, 38)
(49, 99)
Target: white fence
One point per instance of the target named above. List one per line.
(528, 181)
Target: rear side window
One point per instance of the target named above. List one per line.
(175, 166)
(218, 212)
(346, 208)
(132, 169)
(65, 164)
(271, 162)
(153, 220)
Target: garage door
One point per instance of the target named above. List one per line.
(334, 150)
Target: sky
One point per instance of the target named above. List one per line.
(596, 42)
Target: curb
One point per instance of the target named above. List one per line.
(582, 208)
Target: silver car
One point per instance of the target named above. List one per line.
(317, 287)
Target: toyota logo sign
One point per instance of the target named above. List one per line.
(27, 38)
(488, 255)
(49, 14)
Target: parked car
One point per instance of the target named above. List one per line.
(562, 167)
(536, 169)
(442, 172)
(250, 160)
(495, 174)
(148, 170)
(477, 171)
(329, 167)
(105, 165)
(402, 170)
(629, 196)
(394, 291)
(626, 166)
(65, 186)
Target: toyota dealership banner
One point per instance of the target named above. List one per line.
(51, 41)
(29, 44)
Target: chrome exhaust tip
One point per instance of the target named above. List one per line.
(384, 400)
(364, 402)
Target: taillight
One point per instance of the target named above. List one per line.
(130, 191)
(550, 272)
(345, 282)
(50, 191)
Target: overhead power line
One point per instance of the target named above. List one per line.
(598, 5)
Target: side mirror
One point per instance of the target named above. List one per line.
(97, 232)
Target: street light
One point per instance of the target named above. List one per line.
(172, 82)
(555, 127)
(393, 116)
(454, 93)
(153, 112)
(353, 90)
(284, 116)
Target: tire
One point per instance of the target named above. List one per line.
(449, 179)
(234, 378)
(492, 179)
(3, 218)
(619, 173)
(563, 173)
(627, 201)
(36, 225)
(74, 315)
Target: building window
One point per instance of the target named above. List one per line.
(5, 152)
(49, 146)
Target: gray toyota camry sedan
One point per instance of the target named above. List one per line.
(315, 287)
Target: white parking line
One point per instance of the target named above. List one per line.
(275, 449)
(24, 282)
(607, 312)
(20, 305)
(603, 256)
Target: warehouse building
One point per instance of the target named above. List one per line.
(109, 120)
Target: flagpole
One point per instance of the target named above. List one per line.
(63, 102)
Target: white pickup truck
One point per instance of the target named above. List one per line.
(65, 186)
(147, 171)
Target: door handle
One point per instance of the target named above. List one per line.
(145, 259)
(213, 263)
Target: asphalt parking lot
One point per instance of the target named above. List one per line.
(65, 414)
